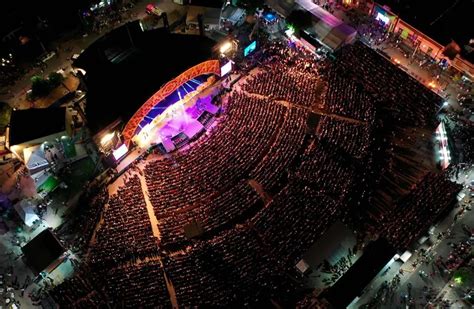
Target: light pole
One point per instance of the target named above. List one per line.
(445, 105)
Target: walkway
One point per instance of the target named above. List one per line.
(149, 207)
(259, 189)
(313, 109)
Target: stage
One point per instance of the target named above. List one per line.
(179, 123)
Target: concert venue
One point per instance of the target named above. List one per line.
(261, 176)
(224, 183)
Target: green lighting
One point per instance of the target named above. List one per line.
(291, 30)
(458, 280)
(49, 185)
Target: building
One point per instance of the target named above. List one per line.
(33, 127)
(42, 140)
(431, 29)
(232, 16)
(210, 17)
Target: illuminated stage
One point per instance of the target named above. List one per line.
(178, 124)
(176, 113)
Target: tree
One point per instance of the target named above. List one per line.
(299, 20)
(39, 86)
(54, 79)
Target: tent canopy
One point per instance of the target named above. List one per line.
(26, 212)
(35, 158)
(330, 30)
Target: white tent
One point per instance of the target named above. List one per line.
(35, 159)
(327, 28)
(405, 256)
(25, 210)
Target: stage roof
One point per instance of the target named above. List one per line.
(34, 123)
(151, 59)
(42, 251)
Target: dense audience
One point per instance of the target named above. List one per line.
(239, 207)
(225, 209)
(287, 226)
(270, 172)
(411, 103)
(414, 213)
(143, 284)
(78, 292)
(352, 138)
(463, 134)
(123, 235)
(231, 269)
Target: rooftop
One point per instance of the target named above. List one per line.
(42, 251)
(33, 123)
(117, 90)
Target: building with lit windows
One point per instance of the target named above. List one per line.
(438, 31)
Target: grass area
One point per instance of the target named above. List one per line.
(49, 185)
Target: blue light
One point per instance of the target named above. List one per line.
(270, 17)
(249, 49)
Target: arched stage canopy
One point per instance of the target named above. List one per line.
(206, 67)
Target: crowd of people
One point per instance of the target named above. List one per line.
(347, 96)
(413, 105)
(228, 270)
(126, 233)
(462, 134)
(276, 164)
(239, 207)
(337, 270)
(288, 224)
(208, 182)
(214, 214)
(129, 285)
(118, 286)
(352, 138)
(109, 16)
(78, 292)
(414, 213)
(325, 170)
(281, 82)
